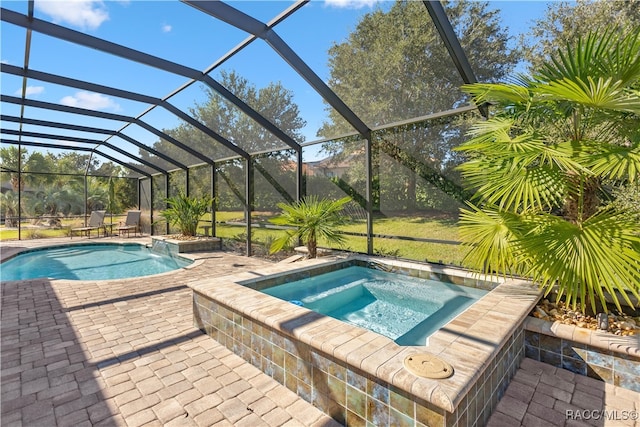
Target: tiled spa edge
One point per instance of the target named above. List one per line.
(469, 342)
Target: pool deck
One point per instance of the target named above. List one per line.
(126, 353)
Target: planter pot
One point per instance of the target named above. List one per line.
(174, 246)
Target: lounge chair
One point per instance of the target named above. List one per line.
(132, 222)
(96, 221)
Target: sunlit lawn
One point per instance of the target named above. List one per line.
(421, 227)
(29, 232)
(411, 226)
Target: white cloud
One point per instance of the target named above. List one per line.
(91, 101)
(166, 28)
(5, 61)
(86, 14)
(31, 90)
(350, 4)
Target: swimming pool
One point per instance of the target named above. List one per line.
(405, 309)
(89, 262)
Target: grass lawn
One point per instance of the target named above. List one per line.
(28, 232)
(411, 226)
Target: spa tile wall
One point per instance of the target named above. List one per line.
(350, 396)
(611, 367)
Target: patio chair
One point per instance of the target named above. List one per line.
(132, 222)
(96, 221)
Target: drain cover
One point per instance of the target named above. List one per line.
(428, 366)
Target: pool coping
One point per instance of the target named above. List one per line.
(603, 340)
(469, 342)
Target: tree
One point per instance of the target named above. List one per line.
(186, 212)
(315, 219)
(539, 167)
(394, 67)
(38, 167)
(54, 200)
(52, 188)
(13, 160)
(97, 194)
(76, 163)
(565, 22)
(9, 208)
(274, 102)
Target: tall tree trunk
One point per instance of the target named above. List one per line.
(411, 192)
(312, 245)
(584, 202)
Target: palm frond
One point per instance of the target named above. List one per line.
(603, 254)
(624, 61)
(498, 93)
(492, 236)
(520, 172)
(614, 161)
(601, 93)
(315, 219)
(598, 55)
(551, 143)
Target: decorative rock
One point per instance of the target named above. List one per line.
(540, 313)
(620, 324)
(627, 326)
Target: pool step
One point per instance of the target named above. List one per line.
(340, 296)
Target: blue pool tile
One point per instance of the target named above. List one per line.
(595, 357)
(356, 380)
(577, 366)
(378, 391)
(631, 367)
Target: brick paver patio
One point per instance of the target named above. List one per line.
(541, 395)
(125, 353)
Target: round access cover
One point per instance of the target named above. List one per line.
(428, 366)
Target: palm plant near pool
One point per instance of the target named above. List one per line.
(315, 219)
(540, 167)
(186, 212)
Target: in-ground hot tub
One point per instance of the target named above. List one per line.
(356, 375)
(404, 308)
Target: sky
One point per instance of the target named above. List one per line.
(180, 33)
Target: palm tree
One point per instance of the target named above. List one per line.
(97, 194)
(53, 200)
(9, 208)
(315, 219)
(12, 160)
(186, 212)
(539, 166)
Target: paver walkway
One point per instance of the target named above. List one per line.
(541, 395)
(125, 353)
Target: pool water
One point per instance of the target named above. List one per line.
(403, 308)
(89, 262)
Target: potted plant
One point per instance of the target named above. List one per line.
(185, 212)
(315, 219)
(543, 165)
